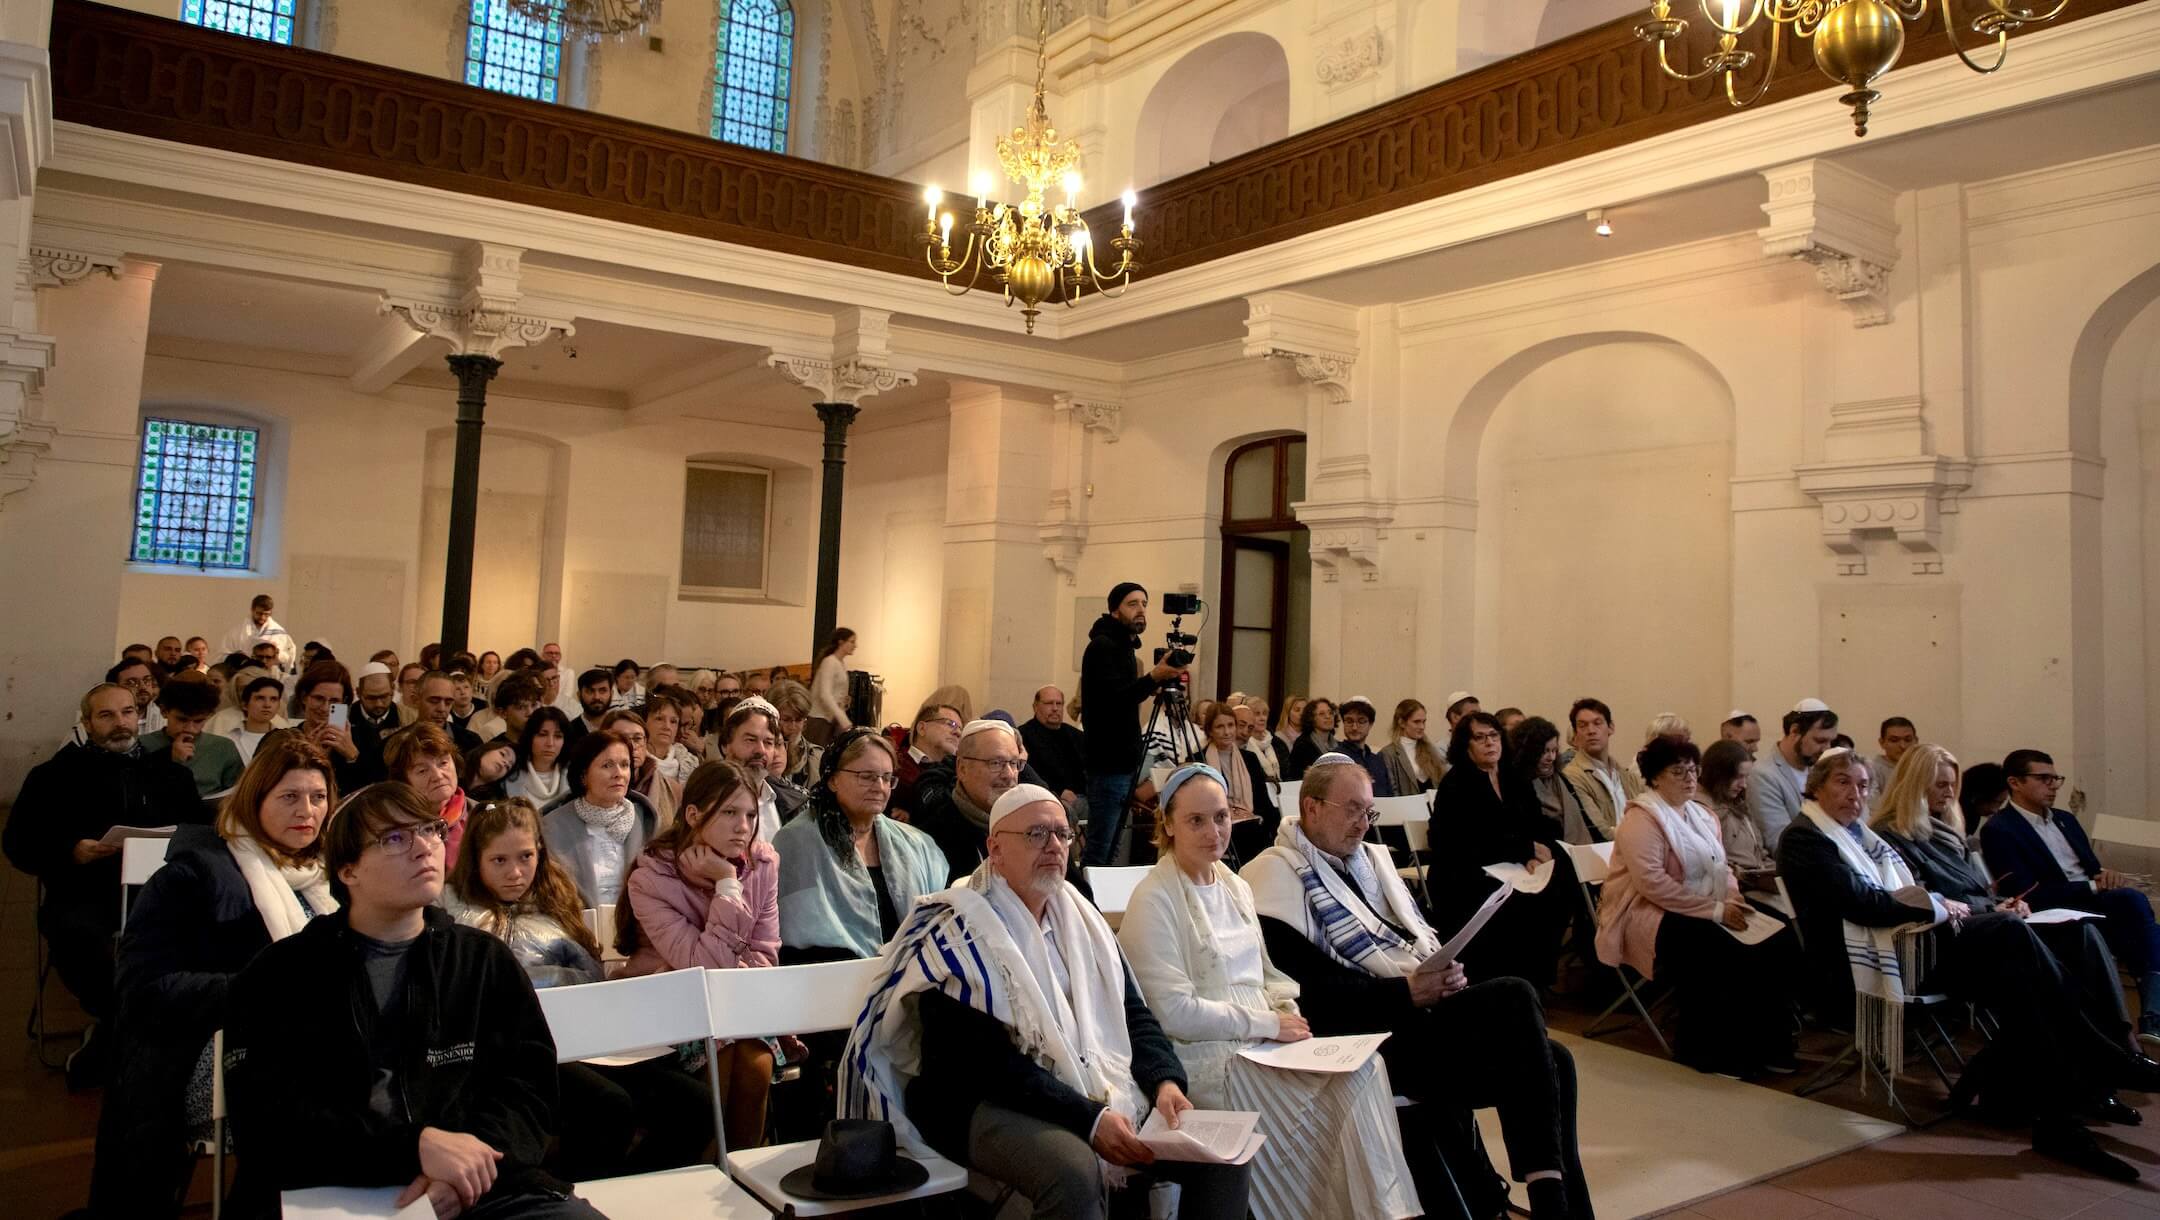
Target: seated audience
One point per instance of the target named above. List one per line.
(663, 735)
(487, 770)
(756, 682)
(750, 738)
(595, 695)
(385, 1045)
(659, 675)
(598, 828)
(1896, 736)
(848, 873)
(221, 896)
(1726, 766)
(408, 685)
(1509, 717)
(1316, 736)
(614, 1119)
(489, 669)
(436, 705)
(2044, 858)
(1606, 784)
(1773, 791)
(930, 740)
(422, 757)
(957, 698)
(662, 793)
(1253, 815)
(1336, 917)
(55, 830)
(1056, 748)
(1853, 894)
(1743, 728)
(627, 691)
(1039, 1063)
(259, 700)
(511, 702)
(463, 705)
(1483, 813)
(1668, 907)
(1284, 738)
(1254, 738)
(374, 713)
(706, 892)
(1919, 816)
(1534, 744)
(1459, 705)
(1413, 766)
(1356, 717)
(261, 628)
(1983, 792)
(1193, 938)
(321, 689)
(165, 659)
(198, 648)
(791, 701)
(539, 776)
(141, 679)
(188, 702)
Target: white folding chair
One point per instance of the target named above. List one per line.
(1114, 889)
(600, 921)
(1413, 816)
(1593, 864)
(768, 1002)
(622, 1015)
(139, 858)
(1286, 797)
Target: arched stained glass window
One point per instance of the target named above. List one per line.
(511, 53)
(269, 20)
(753, 69)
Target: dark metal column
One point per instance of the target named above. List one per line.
(473, 374)
(837, 417)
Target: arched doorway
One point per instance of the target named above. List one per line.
(1263, 620)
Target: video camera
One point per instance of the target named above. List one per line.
(1180, 642)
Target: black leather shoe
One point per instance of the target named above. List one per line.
(2111, 1109)
(2073, 1145)
(2142, 1074)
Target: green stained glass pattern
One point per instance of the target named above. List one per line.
(269, 20)
(511, 53)
(752, 66)
(195, 495)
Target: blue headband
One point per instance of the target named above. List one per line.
(1188, 771)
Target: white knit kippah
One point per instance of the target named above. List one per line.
(1019, 798)
(1811, 704)
(982, 726)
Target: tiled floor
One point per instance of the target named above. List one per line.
(1953, 1170)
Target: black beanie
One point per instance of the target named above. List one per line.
(1124, 589)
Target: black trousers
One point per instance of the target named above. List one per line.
(1524, 938)
(1485, 1046)
(2052, 1057)
(79, 933)
(1735, 1011)
(605, 1110)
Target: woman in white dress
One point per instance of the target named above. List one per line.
(1190, 932)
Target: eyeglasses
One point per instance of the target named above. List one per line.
(876, 779)
(2043, 777)
(1358, 813)
(1486, 736)
(1040, 836)
(139, 683)
(399, 839)
(1001, 765)
(954, 725)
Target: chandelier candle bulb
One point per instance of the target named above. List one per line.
(931, 197)
(945, 227)
(1130, 200)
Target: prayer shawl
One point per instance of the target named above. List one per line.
(1237, 781)
(1295, 882)
(826, 903)
(1885, 968)
(976, 943)
(279, 892)
(1694, 837)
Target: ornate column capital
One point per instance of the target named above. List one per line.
(476, 332)
(1319, 338)
(54, 267)
(1093, 415)
(1345, 536)
(843, 381)
(1842, 223)
(1350, 59)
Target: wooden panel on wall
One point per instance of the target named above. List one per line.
(1892, 650)
(356, 606)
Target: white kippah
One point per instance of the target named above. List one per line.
(978, 726)
(1458, 697)
(1019, 798)
(1331, 758)
(753, 703)
(1811, 704)
(1737, 714)
(369, 670)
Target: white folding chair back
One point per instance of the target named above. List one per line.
(2129, 831)
(600, 921)
(626, 1014)
(1114, 887)
(1592, 861)
(1401, 810)
(139, 858)
(1287, 796)
(774, 1000)
(1786, 895)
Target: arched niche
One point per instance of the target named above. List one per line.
(1222, 98)
(2115, 410)
(1600, 465)
(1487, 31)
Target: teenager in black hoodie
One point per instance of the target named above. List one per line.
(385, 1045)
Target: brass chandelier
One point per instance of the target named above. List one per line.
(1035, 252)
(1855, 41)
(592, 20)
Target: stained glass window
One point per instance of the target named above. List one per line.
(195, 495)
(511, 53)
(269, 20)
(753, 65)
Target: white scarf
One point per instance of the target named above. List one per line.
(1237, 781)
(1693, 835)
(1258, 748)
(278, 891)
(1884, 965)
(614, 822)
(1284, 879)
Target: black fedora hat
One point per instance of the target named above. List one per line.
(856, 1158)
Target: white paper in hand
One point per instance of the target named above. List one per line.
(121, 834)
(1347, 1053)
(2060, 915)
(353, 1203)
(1209, 1137)
(1760, 927)
(1478, 918)
(1521, 879)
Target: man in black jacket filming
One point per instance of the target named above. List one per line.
(385, 1045)
(1112, 688)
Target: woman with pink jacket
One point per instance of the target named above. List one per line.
(1671, 909)
(706, 892)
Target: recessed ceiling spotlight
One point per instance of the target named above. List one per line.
(1601, 226)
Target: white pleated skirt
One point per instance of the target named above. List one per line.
(1333, 1146)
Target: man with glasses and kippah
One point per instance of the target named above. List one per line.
(1336, 917)
(386, 1045)
(2045, 857)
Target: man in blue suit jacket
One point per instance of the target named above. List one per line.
(2043, 854)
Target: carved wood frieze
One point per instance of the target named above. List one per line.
(156, 77)
(1594, 91)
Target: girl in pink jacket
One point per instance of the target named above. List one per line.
(706, 892)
